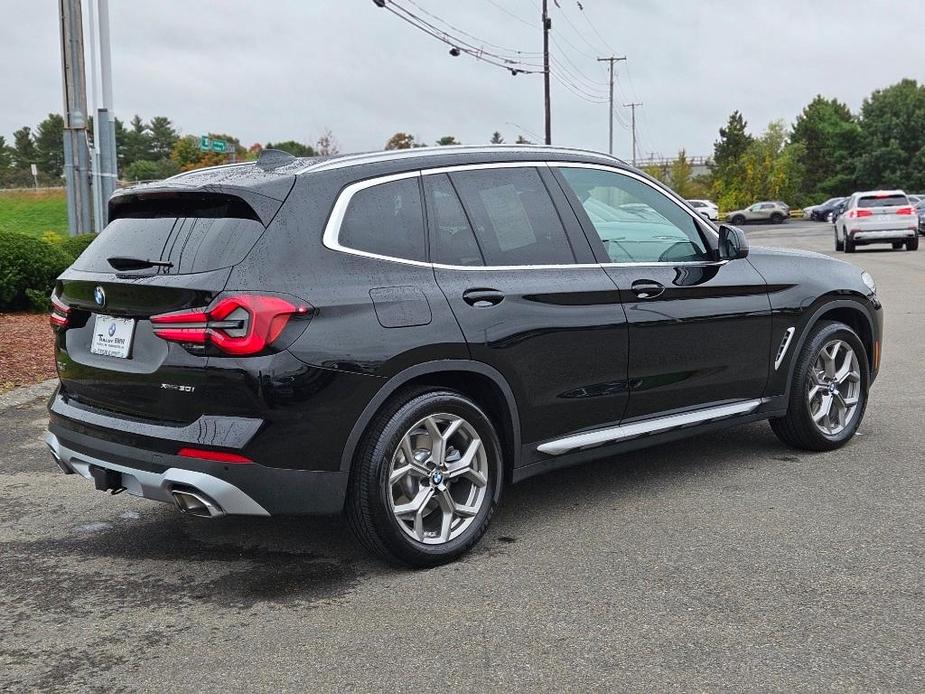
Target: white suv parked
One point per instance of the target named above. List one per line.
(706, 208)
(877, 216)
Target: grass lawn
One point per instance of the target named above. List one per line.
(34, 212)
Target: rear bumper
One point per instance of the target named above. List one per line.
(249, 489)
(875, 236)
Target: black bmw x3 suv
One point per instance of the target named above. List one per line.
(400, 335)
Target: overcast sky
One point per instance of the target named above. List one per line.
(279, 69)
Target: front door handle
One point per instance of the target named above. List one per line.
(483, 298)
(647, 289)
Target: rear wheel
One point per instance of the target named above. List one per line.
(912, 244)
(849, 244)
(839, 244)
(897, 245)
(427, 479)
(828, 392)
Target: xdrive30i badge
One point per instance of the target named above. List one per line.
(178, 388)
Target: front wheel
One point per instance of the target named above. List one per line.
(426, 481)
(738, 220)
(777, 218)
(828, 391)
(897, 245)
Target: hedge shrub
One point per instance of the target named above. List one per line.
(28, 268)
(75, 245)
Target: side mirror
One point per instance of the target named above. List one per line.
(732, 243)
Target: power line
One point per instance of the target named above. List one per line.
(532, 54)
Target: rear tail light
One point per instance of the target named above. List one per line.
(904, 210)
(59, 313)
(242, 324)
(215, 456)
(854, 214)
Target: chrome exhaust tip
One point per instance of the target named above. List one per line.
(196, 504)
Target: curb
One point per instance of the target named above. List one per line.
(21, 396)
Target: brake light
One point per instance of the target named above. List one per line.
(860, 212)
(241, 324)
(58, 318)
(214, 456)
(904, 210)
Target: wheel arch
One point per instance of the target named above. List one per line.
(852, 313)
(480, 382)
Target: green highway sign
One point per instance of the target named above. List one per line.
(207, 144)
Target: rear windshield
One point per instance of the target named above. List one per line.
(189, 244)
(885, 201)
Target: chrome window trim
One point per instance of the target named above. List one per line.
(331, 234)
(600, 437)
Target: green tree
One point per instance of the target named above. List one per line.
(829, 135)
(296, 149)
(680, 175)
(892, 133)
(24, 148)
(521, 140)
(733, 142)
(186, 154)
(6, 154)
(496, 138)
(447, 140)
(400, 140)
(49, 145)
(770, 169)
(141, 170)
(162, 137)
(137, 142)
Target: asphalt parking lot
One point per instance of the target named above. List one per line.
(724, 562)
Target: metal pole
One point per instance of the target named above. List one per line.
(547, 23)
(610, 60)
(108, 125)
(75, 109)
(633, 110)
(97, 188)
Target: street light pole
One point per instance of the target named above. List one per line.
(547, 23)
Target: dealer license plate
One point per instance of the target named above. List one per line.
(112, 336)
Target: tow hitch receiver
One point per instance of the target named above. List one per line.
(106, 480)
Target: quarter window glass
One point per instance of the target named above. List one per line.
(452, 240)
(635, 222)
(386, 219)
(514, 218)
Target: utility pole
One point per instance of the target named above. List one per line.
(610, 60)
(76, 151)
(547, 23)
(633, 108)
(105, 172)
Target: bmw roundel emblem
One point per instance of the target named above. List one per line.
(99, 296)
(112, 329)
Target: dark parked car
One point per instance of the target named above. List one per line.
(820, 213)
(920, 211)
(401, 335)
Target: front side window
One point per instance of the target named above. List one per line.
(635, 222)
(513, 217)
(386, 219)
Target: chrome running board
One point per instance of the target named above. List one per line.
(649, 426)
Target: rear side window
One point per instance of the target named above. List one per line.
(452, 240)
(513, 217)
(869, 201)
(189, 239)
(386, 219)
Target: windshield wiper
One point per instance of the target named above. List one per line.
(121, 263)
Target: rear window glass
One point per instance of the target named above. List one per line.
(189, 244)
(885, 201)
(514, 217)
(386, 219)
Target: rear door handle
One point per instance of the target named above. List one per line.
(647, 289)
(483, 298)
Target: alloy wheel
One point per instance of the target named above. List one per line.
(833, 388)
(438, 478)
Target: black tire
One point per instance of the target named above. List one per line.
(368, 504)
(839, 244)
(738, 220)
(897, 245)
(912, 244)
(777, 218)
(796, 428)
(849, 244)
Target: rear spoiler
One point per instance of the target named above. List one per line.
(260, 201)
